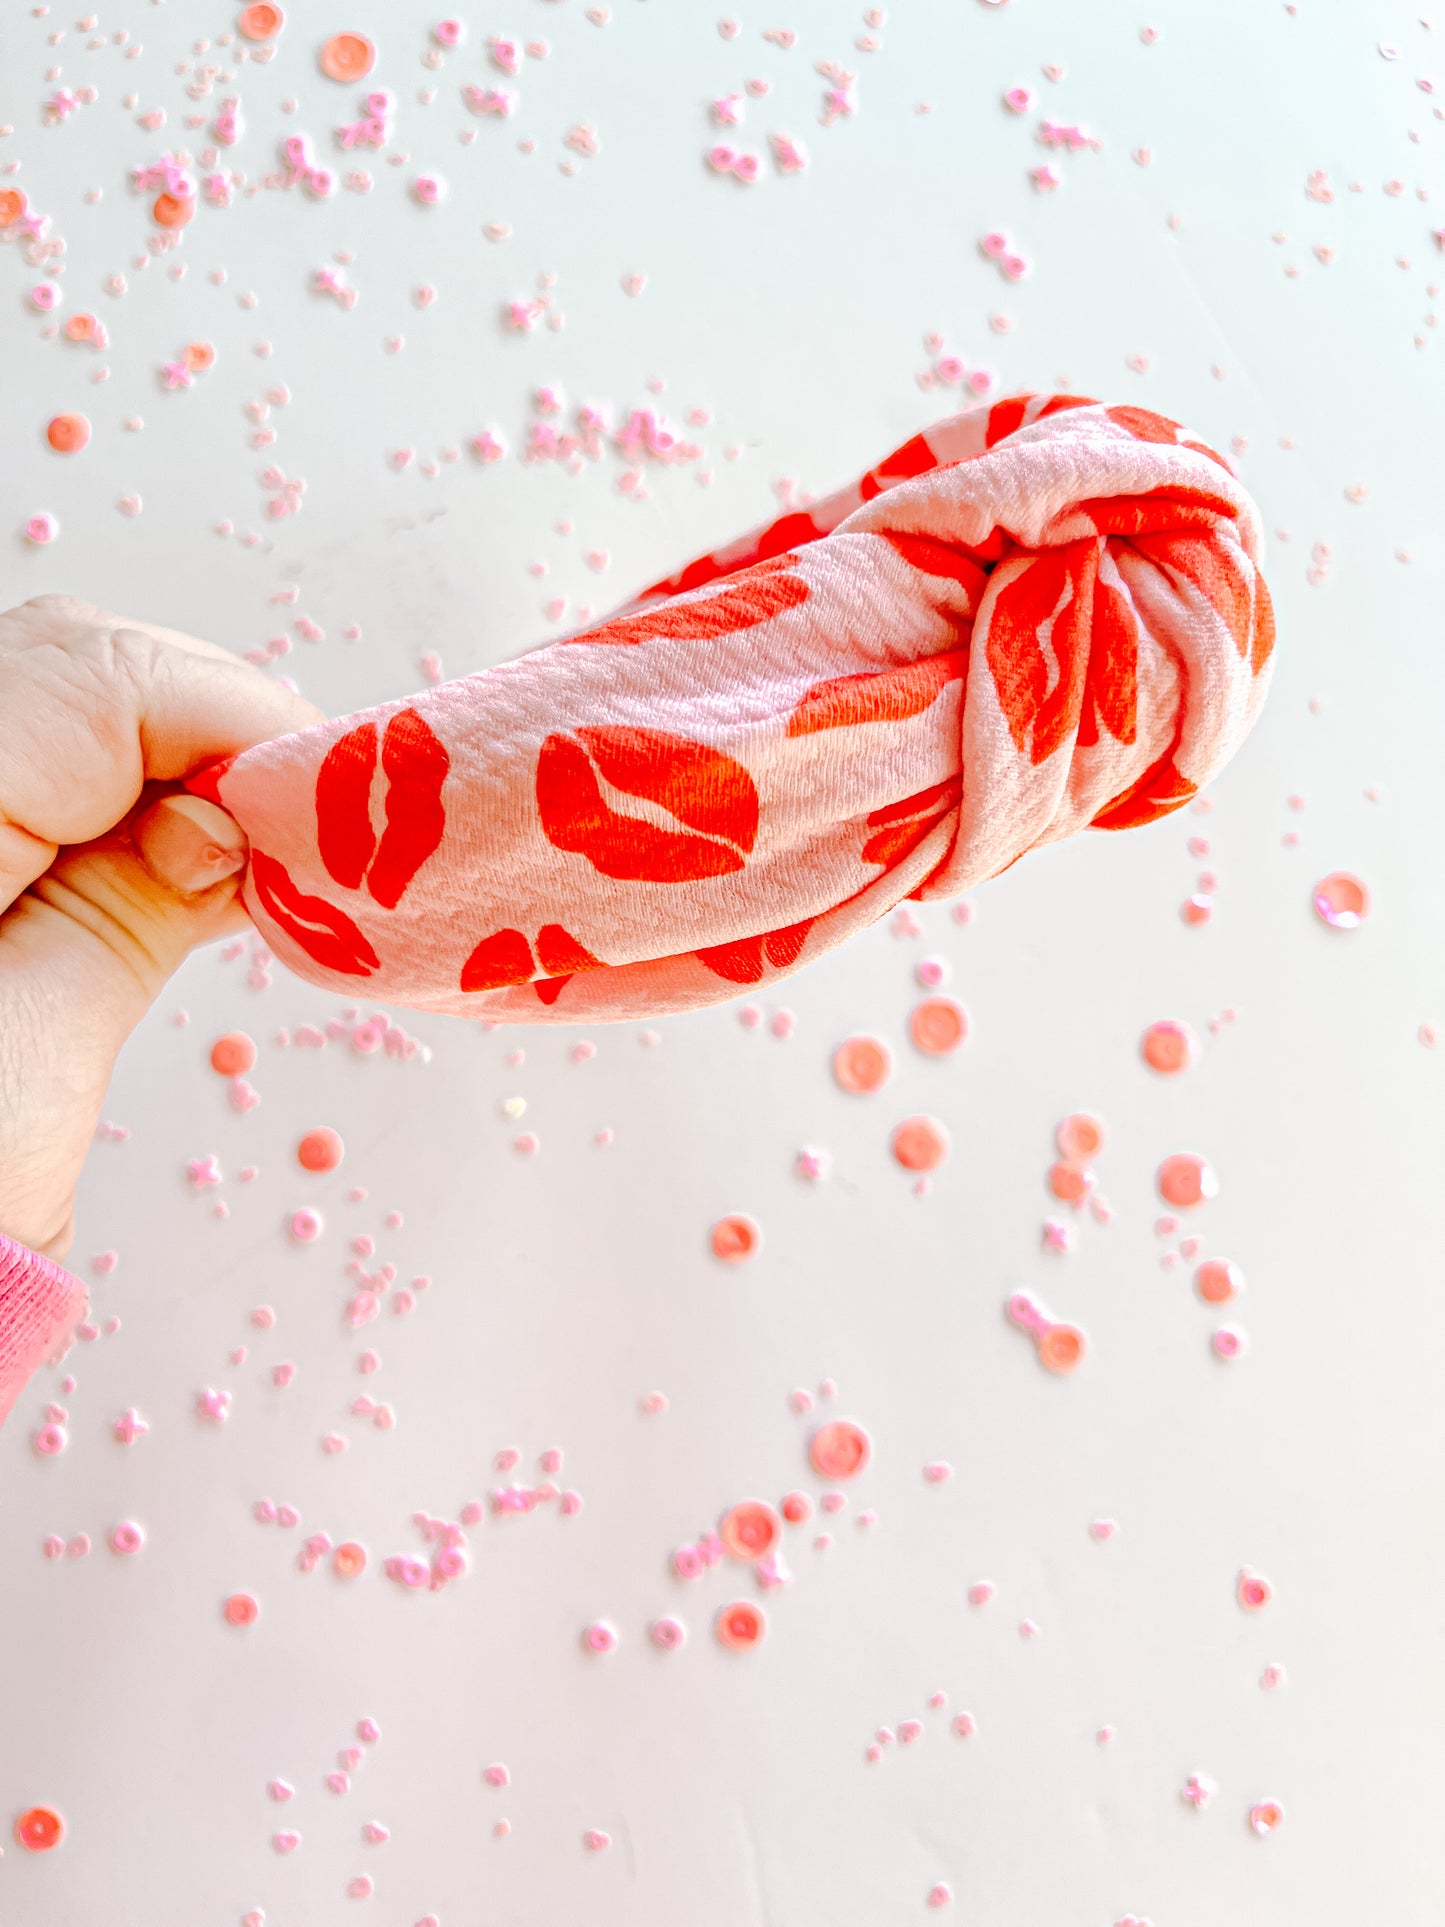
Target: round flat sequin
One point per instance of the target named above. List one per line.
(735, 1238)
(1252, 1591)
(1341, 901)
(750, 1530)
(1169, 1047)
(937, 1026)
(1185, 1180)
(348, 1560)
(1061, 1348)
(1265, 1816)
(1068, 1183)
(740, 1625)
(233, 1055)
(320, 1150)
(39, 1829)
(240, 1610)
(173, 210)
(797, 1508)
(1079, 1137)
(260, 22)
(347, 57)
(1217, 1281)
(862, 1064)
(920, 1144)
(67, 434)
(839, 1449)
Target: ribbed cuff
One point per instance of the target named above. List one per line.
(40, 1305)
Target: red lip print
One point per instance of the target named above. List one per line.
(966, 565)
(205, 782)
(415, 766)
(1144, 425)
(1008, 415)
(1162, 511)
(701, 787)
(326, 934)
(1244, 607)
(505, 958)
(743, 961)
(344, 834)
(915, 457)
(753, 595)
(788, 532)
(887, 696)
(1111, 681)
(499, 960)
(901, 827)
(1039, 718)
(1160, 790)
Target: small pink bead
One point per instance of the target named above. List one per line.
(51, 1439)
(449, 33)
(496, 1775)
(127, 1537)
(668, 1633)
(1229, 1342)
(1253, 1591)
(600, 1637)
(41, 529)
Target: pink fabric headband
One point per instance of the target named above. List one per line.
(1029, 619)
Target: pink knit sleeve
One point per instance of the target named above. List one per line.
(1029, 620)
(40, 1305)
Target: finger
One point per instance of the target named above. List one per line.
(76, 609)
(93, 708)
(195, 707)
(23, 857)
(137, 900)
(188, 844)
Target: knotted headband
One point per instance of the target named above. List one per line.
(1028, 619)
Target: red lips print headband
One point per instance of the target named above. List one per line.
(1028, 620)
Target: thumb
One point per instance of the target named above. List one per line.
(150, 891)
(188, 844)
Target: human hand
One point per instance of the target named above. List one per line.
(106, 882)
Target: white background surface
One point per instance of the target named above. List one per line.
(569, 1285)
